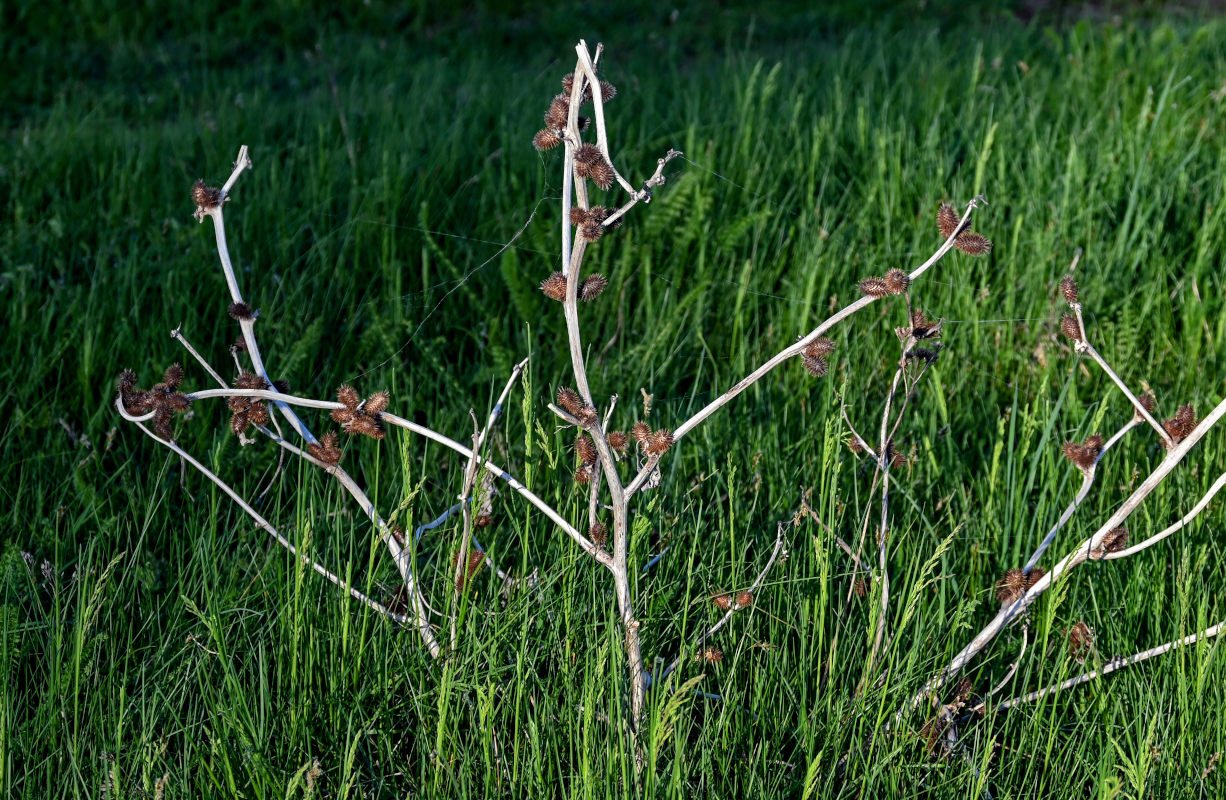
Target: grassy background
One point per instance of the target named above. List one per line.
(149, 630)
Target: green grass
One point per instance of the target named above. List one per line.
(168, 636)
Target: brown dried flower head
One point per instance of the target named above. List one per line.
(569, 400)
(641, 433)
(659, 442)
(377, 403)
(859, 588)
(1080, 641)
(1084, 456)
(873, 287)
(617, 440)
(205, 197)
(554, 286)
(473, 565)
(484, 520)
(173, 376)
(585, 448)
(592, 286)
(347, 396)
(744, 598)
(559, 112)
(821, 346)
(326, 449)
(814, 365)
(1010, 586)
(897, 281)
(583, 474)
(853, 444)
(1068, 288)
(1113, 541)
(546, 139)
(947, 220)
(973, 244)
(712, 655)
(598, 533)
(1034, 576)
(242, 311)
(1148, 402)
(1183, 423)
(1071, 328)
(722, 601)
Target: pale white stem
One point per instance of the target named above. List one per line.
(1087, 481)
(644, 195)
(797, 348)
(1081, 553)
(1012, 667)
(1157, 537)
(779, 549)
(177, 334)
(1113, 665)
(1123, 387)
(602, 136)
(255, 515)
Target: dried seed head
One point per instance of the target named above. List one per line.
(1114, 541)
(584, 473)
(258, 414)
(242, 311)
(554, 286)
(1080, 641)
(1034, 576)
(591, 231)
(602, 174)
(744, 598)
(558, 113)
(1148, 402)
(859, 588)
(1183, 423)
(641, 433)
(585, 448)
(343, 415)
(249, 380)
(1084, 456)
(205, 197)
(853, 444)
(239, 422)
(161, 423)
(897, 281)
(712, 655)
(347, 396)
(1071, 328)
(1010, 586)
(873, 287)
(973, 244)
(173, 376)
(617, 440)
(483, 520)
(659, 442)
(366, 426)
(281, 385)
(546, 139)
(326, 449)
(587, 155)
(598, 533)
(473, 565)
(893, 456)
(921, 327)
(928, 355)
(592, 286)
(377, 403)
(577, 215)
(947, 220)
(239, 346)
(821, 346)
(722, 601)
(607, 91)
(1068, 288)
(814, 365)
(570, 400)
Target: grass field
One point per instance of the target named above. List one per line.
(393, 232)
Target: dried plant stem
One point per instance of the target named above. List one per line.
(795, 349)
(259, 520)
(1113, 665)
(779, 550)
(1087, 481)
(177, 334)
(1079, 554)
(1012, 669)
(1088, 348)
(1183, 521)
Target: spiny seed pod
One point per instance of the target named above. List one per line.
(744, 598)
(239, 422)
(592, 286)
(1183, 423)
(1071, 328)
(587, 155)
(585, 448)
(597, 214)
(377, 403)
(483, 520)
(577, 215)
(591, 231)
(821, 346)
(859, 588)
(921, 327)
(641, 433)
(722, 601)
(965, 687)
(933, 734)
(366, 426)
(973, 244)
(853, 444)
(1084, 456)
(205, 197)
(617, 440)
(598, 533)
(326, 449)
(607, 90)
(546, 139)
(238, 403)
(554, 286)
(659, 442)
(584, 473)
(873, 287)
(258, 414)
(570, 400)
(1080, 641)
(241, 311)
(249, 380)
(893, 456)
(1010, 586)
(347, 396)
(281, 385)
(344, 416)
(173, 376)
(947, 220)
(602, 174)
(928, 356)
(712, 655)
(1148, 402)
(1113, 541)
(162, 417)
(897, 281)
(1034, 576)
(558, 113)
(239, 346)
(814, 365)
(473, 565)
(1068, 288)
